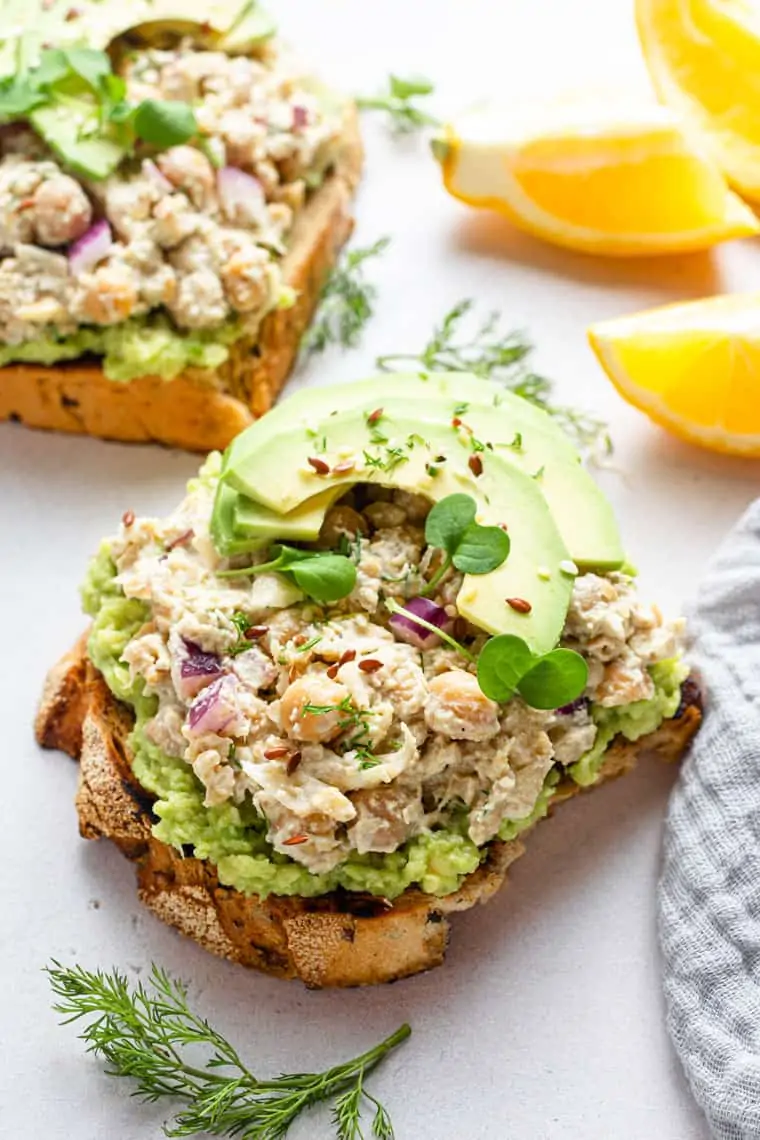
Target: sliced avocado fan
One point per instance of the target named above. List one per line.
(490, 418)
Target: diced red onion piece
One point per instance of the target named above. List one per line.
(151, 171)
(90, 248)
(300, 117)
(196, 670)
(574, 706)
(241, 195)
(215, 708)
(406, 629)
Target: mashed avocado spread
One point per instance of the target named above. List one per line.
(138, 347)
(232, 836)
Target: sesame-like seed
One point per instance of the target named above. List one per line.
(520, 605)
(294, 839)
(128, 518)
(475, 463)
(277, 753)
(318, 465)
(370, 665)
(568, 567)
(544, 573)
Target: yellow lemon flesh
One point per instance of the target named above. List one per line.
(596, 175)
(694, 368)
(704, 59)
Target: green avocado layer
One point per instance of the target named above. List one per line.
(148, 346)
(232, 836)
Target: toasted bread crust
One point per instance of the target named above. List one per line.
(198, 410)
(339, 939)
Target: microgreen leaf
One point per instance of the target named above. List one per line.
(503, 662)
(506, 665)
(325, 578)
(448, 520)
(472, 548)
(92, 67)
(481, 549)
(556, 679)
(164, 122)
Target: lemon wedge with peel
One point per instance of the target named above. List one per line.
(694, 368)
(704, 59)
(596, 174)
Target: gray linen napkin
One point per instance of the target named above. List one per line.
(709, 895)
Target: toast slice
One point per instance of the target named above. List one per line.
(201, 410)
(341, 939)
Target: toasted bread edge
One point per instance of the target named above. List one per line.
(340, 939)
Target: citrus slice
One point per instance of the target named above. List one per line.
(694, 368)
(704, 59)
(597, 175)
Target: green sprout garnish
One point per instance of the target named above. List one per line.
(469, 547)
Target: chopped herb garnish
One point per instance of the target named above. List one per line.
(504, 358)
(460, 409)
(398, 102)
(347, 302)
(310, 643)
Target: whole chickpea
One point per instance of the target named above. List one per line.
(188, 169)
(61, 210)
(457, 707)
(318, 690)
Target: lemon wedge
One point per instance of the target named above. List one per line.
(694, 368)
(598, 175)
(704, 59)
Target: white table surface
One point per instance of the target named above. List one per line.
(546, 1022)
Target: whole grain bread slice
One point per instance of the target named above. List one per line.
(201, 410)
(342, 939)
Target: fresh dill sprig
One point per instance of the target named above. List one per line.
(347, 302)
(398, 102)
(492, 354)
(143, 1033)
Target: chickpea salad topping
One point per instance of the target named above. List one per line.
(172, 223)
(349, 720)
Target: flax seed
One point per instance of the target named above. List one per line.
(319, 465)
(344, 467)
(520, 605)
(294, 839)
(375, 416)
(347, 656)
(370, 665)
(254, 632)
(293, 762)
(277, 753)
(128, 518)
(475, 463)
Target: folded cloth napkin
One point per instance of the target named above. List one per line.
(709, 895)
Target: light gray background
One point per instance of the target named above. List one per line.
(546, 1022)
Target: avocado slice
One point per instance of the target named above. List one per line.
(233, 26)
(521, 433)
(60, 125)
(504, 494)
(239, 524)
